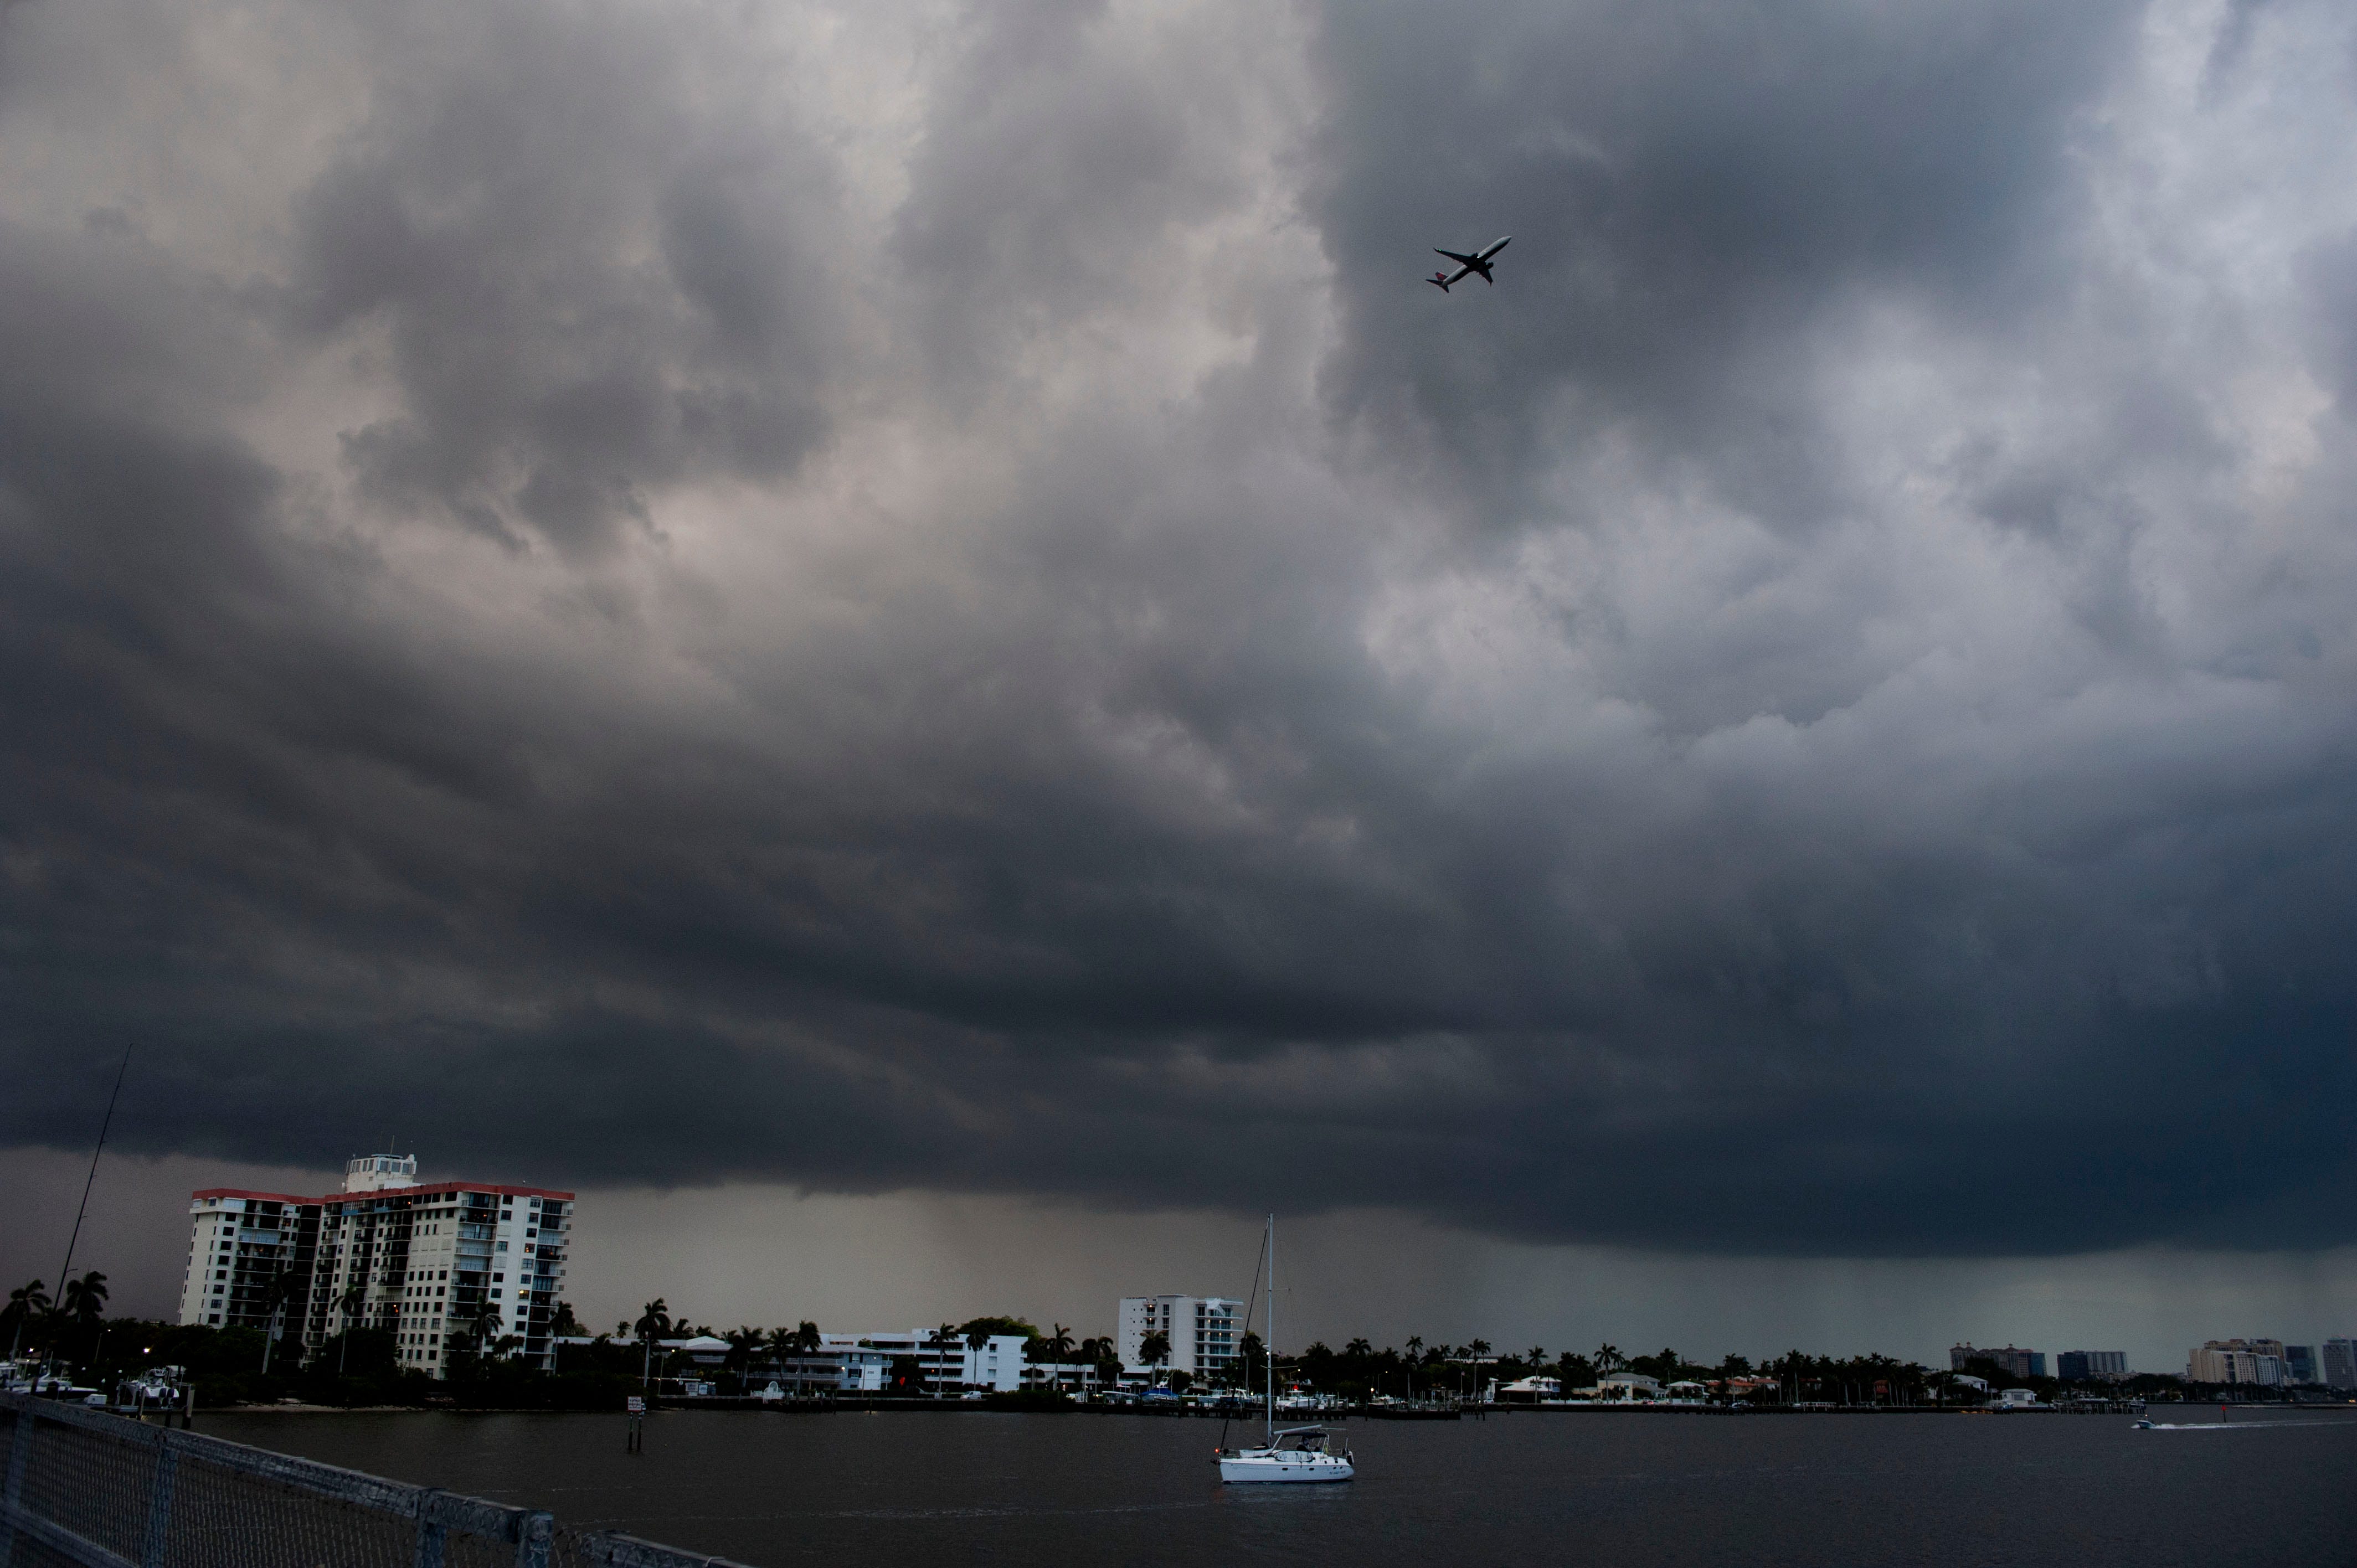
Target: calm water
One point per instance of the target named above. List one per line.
(1593, 1489)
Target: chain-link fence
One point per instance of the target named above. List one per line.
(95, 1490)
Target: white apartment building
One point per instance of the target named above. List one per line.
(1206, 1338)
(433, 1263)
(242, 1244)
(840, 1365)
(951, 1366)
(2236, 1361)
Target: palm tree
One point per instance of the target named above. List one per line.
(1478, 1349)
(1358, 1348)
(1154, 1349)
(25, 1303)
(283, 1289)
(1252, 1358)
(652, 1325)
(483, 1323)
(355, 1297)
(1609, 1360)
(942, 1339)
(742, 1342)
(1535, 1357)
(1415, 1348)
(777, 1345)
(1058, 1344)
(84, 1300)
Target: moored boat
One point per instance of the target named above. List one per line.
(1298, 1455)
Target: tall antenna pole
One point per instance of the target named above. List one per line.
(74, 1240)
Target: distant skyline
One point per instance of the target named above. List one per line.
(918, 602)
(759, 1255)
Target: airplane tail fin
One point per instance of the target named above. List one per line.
(1439, 281)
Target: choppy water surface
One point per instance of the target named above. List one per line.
(1600, 1489)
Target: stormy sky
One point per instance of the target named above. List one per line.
(909, 599)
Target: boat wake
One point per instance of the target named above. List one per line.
(2228, 1426)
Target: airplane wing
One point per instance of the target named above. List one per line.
(1461, 261)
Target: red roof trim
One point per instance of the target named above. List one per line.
(428, 1190)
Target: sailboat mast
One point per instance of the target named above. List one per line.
(1271, 1357)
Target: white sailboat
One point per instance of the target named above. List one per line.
(1299, 1455)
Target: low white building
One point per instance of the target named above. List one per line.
(951, 1366)
(1627, 1386)
(1206, 1338)
(833, 1368)
(1064, 1376)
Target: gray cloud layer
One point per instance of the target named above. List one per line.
(923, 599)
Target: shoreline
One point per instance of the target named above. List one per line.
(943, 1407)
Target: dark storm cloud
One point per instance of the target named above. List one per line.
(484, 219)
(1694, 191)
(668, 598)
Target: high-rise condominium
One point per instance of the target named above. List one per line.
(435, 1264)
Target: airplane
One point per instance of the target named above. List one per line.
(1477, 262)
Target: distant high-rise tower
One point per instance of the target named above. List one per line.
(2236, 1361)
(2012, 1361)
(2091, 1366)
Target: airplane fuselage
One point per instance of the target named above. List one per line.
(1478, 261)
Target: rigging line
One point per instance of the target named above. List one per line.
(1252, 1299)
(74, 1240)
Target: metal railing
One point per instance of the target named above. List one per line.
(95, 1490)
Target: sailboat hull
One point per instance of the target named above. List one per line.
(1281, 1468)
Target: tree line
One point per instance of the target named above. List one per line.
(757, 1354)
(360, 1365)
